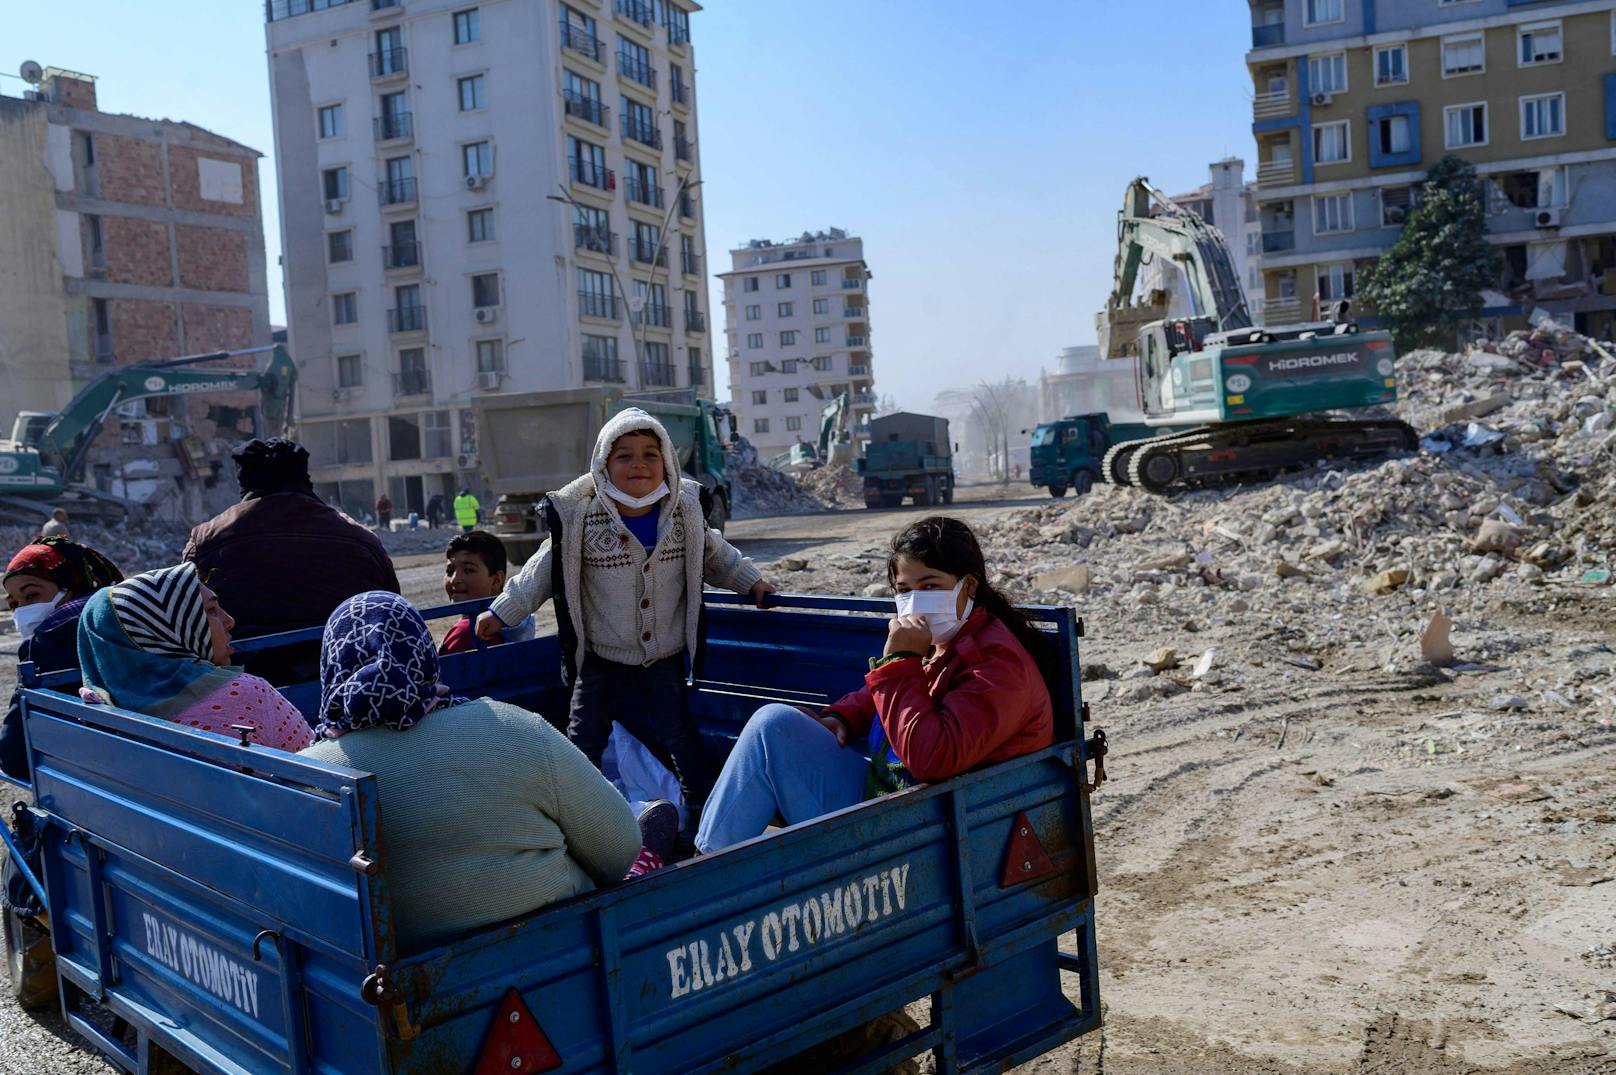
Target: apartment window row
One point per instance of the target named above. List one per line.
(408, 314)
(586, 165)
(1464, 126)
(783, 282)
(820, 363)
(403, 249)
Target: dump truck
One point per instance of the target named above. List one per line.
(1251, 395)
(537, 442)
(1068, 452)
(907, 455)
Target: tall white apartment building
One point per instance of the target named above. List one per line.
(797, 323)
(479, 198)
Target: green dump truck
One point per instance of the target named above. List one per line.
(908, 455)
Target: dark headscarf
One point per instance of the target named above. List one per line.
(278, 465)
(78, 569)
(378, 665)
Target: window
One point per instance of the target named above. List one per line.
(676, 85)
(1395, 203)
(394, 121)
(477, 158)
(790, 395)
(788, 339)
(821, 306)
(587, 162)
(592, 229)
(583, 98)
(339, 246)
(403, 430)
(634, 61)
(402, 251)
(789, 365)
(754, 341)
(350, 371)
(1464, 55)
(751, 284)
(595, 298)
(1332, 213)
(760, 425)
(754, 313)
(647, 242)
(473, 94)
(1328, 74)
(760, 396)
(1317, 11)
(1393, 134)
(480, 225)
(1543, 116)
(467, 26)
(490, 356)
(335, 182)
(98, 253)
(678, 22)
(784, 309)
(1391, 65)
(1537, 188)
(639, 122)
(331, 121)
(821, 335)
(1335, 282)
(1332, 143)
(822, 364)
(485, 289)
(793, 424)
(1540, 43)
(759, 368)
(642, 184)
(578, 34)
(345, 308)
(782, 280)
(600, 359)
(1465, 125)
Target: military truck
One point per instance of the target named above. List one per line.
(908, 455)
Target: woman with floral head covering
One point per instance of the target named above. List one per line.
(526, 820)
(47, 584)
(159, 644)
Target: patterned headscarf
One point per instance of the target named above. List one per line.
(378, 665)
(161, 611)
(78, 569)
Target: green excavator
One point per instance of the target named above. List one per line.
(46, 453)
(1239, 401)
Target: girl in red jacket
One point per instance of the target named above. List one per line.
(956, 688)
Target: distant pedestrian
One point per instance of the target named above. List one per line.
(434, 511)
(466, 509)
(384, 512)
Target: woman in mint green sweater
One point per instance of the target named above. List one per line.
(488, 812)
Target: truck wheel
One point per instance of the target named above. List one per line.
(892, 500)
(924, 498)
(1057, 491)
(875, 500)
(31, 964)
(1082, 482)
(948, 493)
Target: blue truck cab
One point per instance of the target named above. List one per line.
(1069, 453)
(230, 904)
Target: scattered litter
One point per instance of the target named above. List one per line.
(1434, 644)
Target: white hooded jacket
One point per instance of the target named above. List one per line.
(627, 603)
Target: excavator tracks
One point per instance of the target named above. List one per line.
(1248, 451)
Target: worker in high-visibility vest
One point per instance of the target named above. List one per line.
(465, 508)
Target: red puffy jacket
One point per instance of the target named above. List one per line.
(979, 699)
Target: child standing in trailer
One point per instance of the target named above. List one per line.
(625, 562)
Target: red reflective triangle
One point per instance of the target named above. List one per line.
(1025, 858)
(515, 1035)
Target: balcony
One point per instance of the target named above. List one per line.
(393, 127)
(863, 399)
(396, 191)
(858, 341)
(1282, 311)
(1277, 242)
(412, 383)
(589, 173)
(1272, 105)
(635, 11)
(401, 256)
(594, 304)
(596, 240)
(407, 319)
(1276, 173)
(654, 313)
(389, 63)
(698, 375)
(851, 284)
(577, 39)
(599, 368)
(1263, 37)
(657, 374)
(647, 253)
(631, 66)
(681, 149)
(687, 207)
(679, 92)
(854, 370)
(646, 134)
(587, 109)
(644, 193)
(690, 264)
(855, 312)
(695, 321)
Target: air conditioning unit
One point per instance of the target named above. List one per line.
(465, 460)
(611, 179)
(476, 182)
(488, 380)
(333, 205)
(1322, 100)
(486, 315)
(1547, 218)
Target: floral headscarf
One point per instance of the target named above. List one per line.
(378, 665)
(78, 569)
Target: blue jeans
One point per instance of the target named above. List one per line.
(785, 762)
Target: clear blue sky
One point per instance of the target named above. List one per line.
(982, 158)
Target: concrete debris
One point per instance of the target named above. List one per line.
(1435, 645)
(761, 490)
(837, 486)
(1161, 660)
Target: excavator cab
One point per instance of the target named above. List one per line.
(30, 427)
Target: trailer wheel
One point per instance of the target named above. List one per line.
(31, 964)
(1082, 482)
(924, 498)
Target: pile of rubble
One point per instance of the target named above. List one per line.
(134, 547)
(761, 490)
(839, 486)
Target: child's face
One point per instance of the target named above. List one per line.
(635, 463)
(467, 578)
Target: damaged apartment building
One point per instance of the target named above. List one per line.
(1355, 99)
(124, 241)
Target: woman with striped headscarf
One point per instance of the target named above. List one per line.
(159, 644)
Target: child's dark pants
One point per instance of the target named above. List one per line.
(650, 702)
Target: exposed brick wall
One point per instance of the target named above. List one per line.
(182, 171)
(131, 171)
(212, 259)
(73, 92)
(217, 328)
(142, 330)
(137, 251)
(220, 328)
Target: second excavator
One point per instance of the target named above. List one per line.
(1240, 401)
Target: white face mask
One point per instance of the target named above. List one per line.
(938, 608)
(29, 617)
(636, 501)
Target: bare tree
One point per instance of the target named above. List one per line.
(1000, 407)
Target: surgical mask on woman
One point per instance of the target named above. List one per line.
(939, 608)
(29, 617)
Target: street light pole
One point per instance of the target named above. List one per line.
(662, 242)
